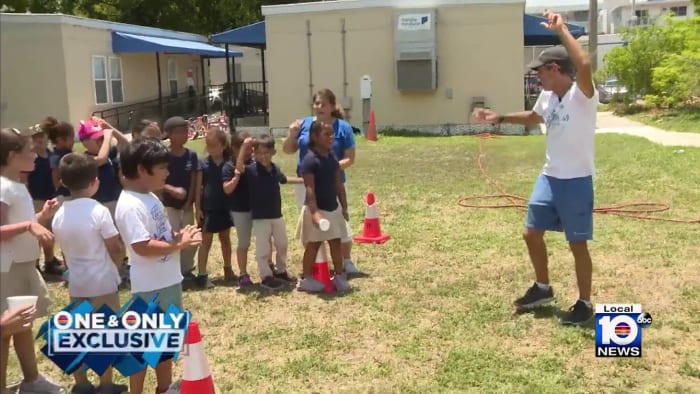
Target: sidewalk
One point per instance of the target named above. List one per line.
(609, 123)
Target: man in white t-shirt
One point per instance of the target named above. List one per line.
(562, 199)
(91, 247)
(154, 250)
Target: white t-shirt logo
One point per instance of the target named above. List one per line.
(570, 133)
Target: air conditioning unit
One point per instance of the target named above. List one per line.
(415, 49)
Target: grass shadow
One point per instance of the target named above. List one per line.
(258, 291)
(328, 296)
(545, 312)
(552, 312)
(51, 278)
(221, 282)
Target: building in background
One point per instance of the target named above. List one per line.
(71, 67)
(428, 66)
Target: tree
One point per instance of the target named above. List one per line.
(633, 63)
(675, 79)
(195, 16)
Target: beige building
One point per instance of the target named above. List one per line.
(66, 66)
(248, 68)
(428, 60)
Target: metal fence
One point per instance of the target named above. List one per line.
(247, 99)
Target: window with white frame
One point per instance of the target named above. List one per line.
(115, 80)
(172, 76)
(680, 11)
(107, 80)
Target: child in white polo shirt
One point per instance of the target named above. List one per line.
(91, 247)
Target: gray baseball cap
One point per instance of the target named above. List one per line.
(557, 54)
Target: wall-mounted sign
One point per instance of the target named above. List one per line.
(414, 22)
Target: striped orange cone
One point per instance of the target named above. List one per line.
(196, 376)
(371, 230)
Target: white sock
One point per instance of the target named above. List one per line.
(346, 260)
(588, 303)
(543, 286)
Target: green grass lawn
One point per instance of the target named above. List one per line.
(435, 313)
(686, 121)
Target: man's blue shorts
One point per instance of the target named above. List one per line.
(562, 205)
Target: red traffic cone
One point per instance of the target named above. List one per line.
(196, 376)
(372, 128)
(371, 231)
(321, 272)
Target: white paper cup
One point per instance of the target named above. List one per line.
(324, 224)
(21, 302)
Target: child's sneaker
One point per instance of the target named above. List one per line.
(54, 267)
(245, 281)
(341, 283)
(203, 281)
(350, 267)
(285, 277)
(86, 388)
(269, 282)
(229, 275)
(311, 285)
(41, 386)
(113, 389)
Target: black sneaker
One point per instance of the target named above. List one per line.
(285, 277)
(271, 283)
(189, 275)
(535, 297)
(578, 314)
(54, 267)
(202, 280)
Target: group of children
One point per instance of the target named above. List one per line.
(141, 199)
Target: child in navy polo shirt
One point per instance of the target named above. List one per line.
(263, 178)
(239, 206)
(179, 191)
(62, 136)
(212, 202)
(42, 189)
(324, 188)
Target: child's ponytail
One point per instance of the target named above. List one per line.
(338, 113)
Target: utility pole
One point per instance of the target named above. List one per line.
(593, 34)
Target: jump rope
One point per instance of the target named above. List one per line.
(637, 210)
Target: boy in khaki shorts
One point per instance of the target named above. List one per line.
(154, 249)
(92, 248)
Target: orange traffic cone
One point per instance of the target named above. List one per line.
(196, 376)
(321, 272)
(372, 128)
(371, 231)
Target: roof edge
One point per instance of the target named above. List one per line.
(73, 20)
(338, 5)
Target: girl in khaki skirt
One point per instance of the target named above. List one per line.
(20, 235)
(323, 219)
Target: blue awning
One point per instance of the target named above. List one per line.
(134, 43)
(536, 34)
(252, 35)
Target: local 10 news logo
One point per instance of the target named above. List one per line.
(618, 331)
